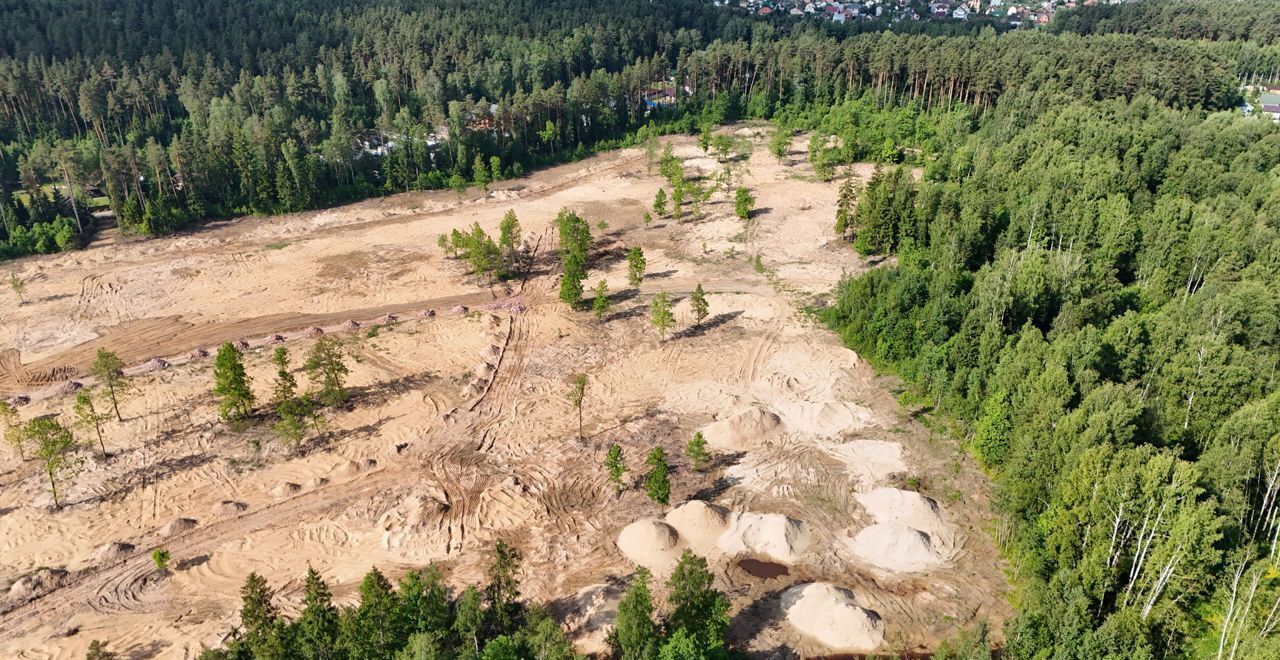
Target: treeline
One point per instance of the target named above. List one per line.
(1092, 290)
(343, 102)
(425, 620)
(1215, 20)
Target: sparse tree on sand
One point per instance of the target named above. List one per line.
(656, 482)
(296, 415)
(635, 636)
(696, 450)
(600, 304)
(660, 203)
(286, 385)
(54, 445)
(699, 303)
(326, 366)
(88, 418)
(12, 430)
(503, 588)
(509, 239)
(636, 265)
(109, 369)
(743, 203)
(98, 651)
(613, 462)
(19, 287)
(161, 557)
(231, 383)
(577, 394)
(660, 314)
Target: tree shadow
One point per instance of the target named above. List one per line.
(623, 295)
(710, 324)
(629, 313)
(138, 477)
(659, 275)
(759, 211)
(193, 562)
(146, 651)
(717, 488)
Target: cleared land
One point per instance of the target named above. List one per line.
(459, 431)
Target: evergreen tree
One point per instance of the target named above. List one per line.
(696, 450)
(577, 394)
(600, 301)
(316, 630)
(13, 435)
(286, 385)
(575, 243)
(259, 618)
(683, 645)
(468, 620)
(424, 603)
(326, 367)
(636, 265)
(656, 483)
(743, 203)
(231, 383)
(660, 203)
(635, 636)
(696, 606)
(845, 206)
(88, 418)
(98, 651)
(613, 463)
(161, 557)
(660, 314)
(504, 587)
(53, 446)
(109, 369)
(698, 301)
(509, 238)
(373, 630)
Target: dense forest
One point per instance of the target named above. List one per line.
(170, 113)
(1217, 20)
(1092, 290)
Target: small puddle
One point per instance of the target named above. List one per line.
(764, 570)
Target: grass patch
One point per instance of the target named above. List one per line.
(276, 245)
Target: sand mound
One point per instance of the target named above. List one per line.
(746, 430)
(699, 524)
(832, 616)
(351, 325)
(198, 354)
(242, 344)
(154, 364)
(177, 526)
(69, 387)
(285, 489)
(313, 332)
(229, 508)
(112, 552)
(484, 371)
(38, 583)
(20, 400)
(458, 309)
(652, 544)
(895, 548)
(904, 507)
(273, 339)
(416, 521)
(370, 463)
(427, 314)
(316, 482)
(870, 461)
(386, 319)
(771, 535)
(347, 469)
(832, 418)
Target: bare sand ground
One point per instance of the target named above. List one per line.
(437, 455)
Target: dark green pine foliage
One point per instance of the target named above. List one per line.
(635, 636)
(315, 632)
(373, 629)
(696, 607)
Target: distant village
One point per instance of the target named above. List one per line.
(1012, 12)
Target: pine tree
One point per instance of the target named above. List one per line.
(316, 630)
(696, 450)
(286, 385)
(660, 203)
(326, 367)
(613, 463)
(845, 208)
(635, 636)
(600, 301)
(98, 651)
(109, 369)
(575, 243)
(424, 603)
(479, 172)
(698, 301)
(19, 287)
(660, 314)
(577, 394)
(656, 482)
(88, 418)
(258, 616)
(509, 238)
(504, 587)
(636, 265)
(296, 416)
(231, 383)
(682, 645)
(13, 435)
(53, 446)
(469, 618)
(161, 557)
(695, 606)
(743, 203)
(373, 630)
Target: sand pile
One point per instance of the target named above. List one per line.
(274, 339)
(154, 364)
(112, 552)
(20, 400)
(316, 482)
(285, 489)
(699, 524)
(69, 387)
(771, 535)
(177, 526)
(38, 583)
(871, 461)
(909, 533)
(242, 344)
(313, 332)
(483, 371)
(387, 319)
(417, 518)
(748, 429)
(347, 469)
(458, 309)
(198, 354)
(351, 325)
(832, 616)
(591, 616)
(229, 508)
(427, 314)
(651, 543)
(832, 418)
